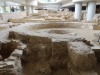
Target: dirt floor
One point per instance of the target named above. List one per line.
(28, 69)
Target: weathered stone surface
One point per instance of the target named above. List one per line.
(52, 48)
(11, 66)
(11, 63)
(81, 57)
(17, 53)
(79, 54)
(39, 47)
(21, 46)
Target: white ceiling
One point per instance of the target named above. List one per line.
(14, 1)
(20, 2)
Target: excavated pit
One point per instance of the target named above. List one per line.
(45, 57)
(46, 48)
(49, 51)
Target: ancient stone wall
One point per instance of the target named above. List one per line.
(10, 64)
(52, 55)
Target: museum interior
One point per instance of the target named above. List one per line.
(49, 37)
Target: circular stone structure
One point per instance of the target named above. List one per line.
(58, 34)
(59, 31)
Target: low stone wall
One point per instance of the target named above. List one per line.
(66, 23)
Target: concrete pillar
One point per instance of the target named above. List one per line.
(32, 9)
(86, 11)
(28, 10)
(78, 10)
(86, 7)
(91, 11)
(3, 9)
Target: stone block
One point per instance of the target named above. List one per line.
(81, 57)
(17, 53)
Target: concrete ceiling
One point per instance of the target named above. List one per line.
(8, 3)
(14, 1)
(24, 2)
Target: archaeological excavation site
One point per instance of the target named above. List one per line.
(49, 37)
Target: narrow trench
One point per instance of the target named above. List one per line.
(97, 68)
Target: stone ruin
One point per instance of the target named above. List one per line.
(50, 50)
(10, 62)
